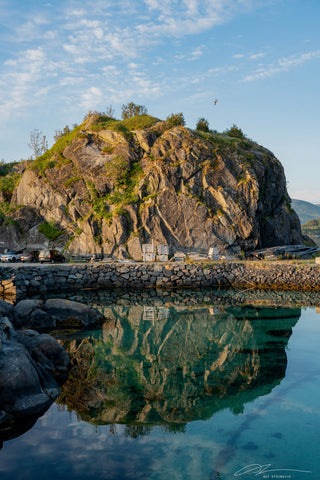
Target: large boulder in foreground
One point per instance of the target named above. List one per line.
(32, 366)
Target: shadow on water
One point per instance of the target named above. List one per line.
(171, 359)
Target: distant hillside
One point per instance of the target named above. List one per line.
(312, 229)
(306, 211)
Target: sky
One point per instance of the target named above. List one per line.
(259, 58)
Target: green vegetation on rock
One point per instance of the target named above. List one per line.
(50, 230)
(54, 156)
(71, 181)
(182, 187)
(124, 127)
(203, 125)
(12, 222)
(7, 185)
(131, 109)
(175, 120)
(235, 131)
(124, 193)
(117, 170)
(108, 149)
(4, 209)
(224, 141)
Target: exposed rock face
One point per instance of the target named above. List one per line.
(113, 192)
(20, 228)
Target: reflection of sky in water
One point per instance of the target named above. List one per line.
(280, 428)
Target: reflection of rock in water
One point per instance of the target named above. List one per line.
(185, 297)
(171, 366)
(12, 430)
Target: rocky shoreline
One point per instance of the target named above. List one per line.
(34, 280)
(33, 364)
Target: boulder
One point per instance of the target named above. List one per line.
(69, 314)
(54, 313)
(47, 352)
(21, 389)
(6, 309)
(32, 366)
(134, 246)
(41, 320)
(24, 308)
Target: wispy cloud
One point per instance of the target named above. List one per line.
(197, 53)
(190, 16)
(249, 56)
(18, 82)
(105, 43)
(192, 55)
(283, 64)
(93, 97)
(257, 55)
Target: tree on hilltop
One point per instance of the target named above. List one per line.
(61, 133)
(131, 109)
(38, 143)
(175, 119)
(234, 131)
(110, 112)
(203, 125)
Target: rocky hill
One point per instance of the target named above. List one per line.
(312, 230)
(306, 211)
(109, 186)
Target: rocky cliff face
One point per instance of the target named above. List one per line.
(112, 187)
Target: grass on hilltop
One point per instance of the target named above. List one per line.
(125, 127)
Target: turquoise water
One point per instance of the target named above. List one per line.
(182, 388)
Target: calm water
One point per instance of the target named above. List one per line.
(183, 386)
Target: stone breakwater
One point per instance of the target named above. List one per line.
(44, 279)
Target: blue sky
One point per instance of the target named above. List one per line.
(260, 59)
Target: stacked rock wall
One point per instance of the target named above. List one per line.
(45, 279)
